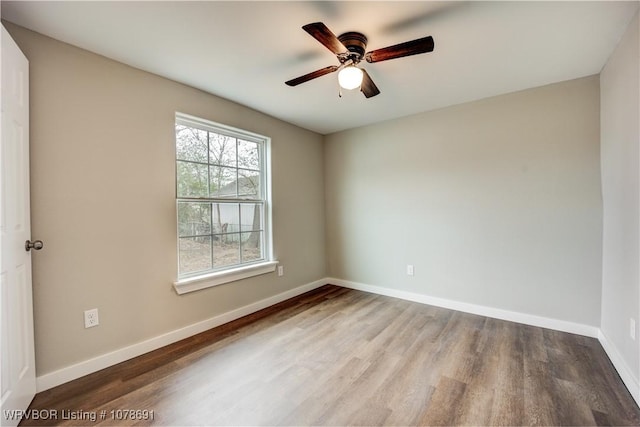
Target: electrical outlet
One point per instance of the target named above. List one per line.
(410, 270)
(280, 270)
(91, 318)
(632, 328)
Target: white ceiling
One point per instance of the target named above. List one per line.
(245, 51)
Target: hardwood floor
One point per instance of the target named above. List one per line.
(336, 356)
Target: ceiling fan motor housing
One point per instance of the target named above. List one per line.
(356, 46)
(356, 43)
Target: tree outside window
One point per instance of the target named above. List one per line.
(221, 197)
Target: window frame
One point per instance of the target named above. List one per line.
(192, 281)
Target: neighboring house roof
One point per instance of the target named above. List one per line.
(245, 186)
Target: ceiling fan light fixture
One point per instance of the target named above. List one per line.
(350, 48)
(350, 77)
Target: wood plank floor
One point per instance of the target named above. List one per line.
(336, 356)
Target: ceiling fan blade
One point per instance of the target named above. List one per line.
(313, 75)
(368, 87)
(409, 48)
(320, 32)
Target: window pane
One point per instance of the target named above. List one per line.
(222, 150)
(249, 184)
(248, 155)
(195, 254)
(194, 219)
(226, 249)
(192, 179)
(191, 144)
(223, 182)
(220, 191)
(252, 246)
(226, 217)
(250, 216)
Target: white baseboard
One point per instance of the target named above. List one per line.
(86, 367)
(632, 383)
(95, 364)
(496, 313)
(629, 380)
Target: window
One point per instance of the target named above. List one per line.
(222, 184)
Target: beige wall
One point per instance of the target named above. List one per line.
(102, 190)
(495, 202)
(620, 152)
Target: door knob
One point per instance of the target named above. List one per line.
(35, 245)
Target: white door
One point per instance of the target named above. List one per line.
(18, 361)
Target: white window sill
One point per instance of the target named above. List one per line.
(195, 283)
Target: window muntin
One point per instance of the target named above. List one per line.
(221, 196)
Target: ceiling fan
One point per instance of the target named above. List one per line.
(350, 49)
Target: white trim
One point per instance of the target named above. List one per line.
(195, 283)
(630, 381)
(86, 367)
(214, 278)
(623, 369)
(210, 125)
(496, 313)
